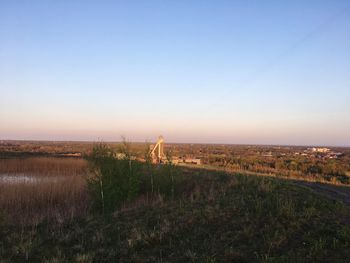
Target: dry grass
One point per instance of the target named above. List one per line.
(220, 218)
(28, 203)
(43, 166)
(315, 178)
(215, 217)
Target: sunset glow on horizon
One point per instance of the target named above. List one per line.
(193, 71)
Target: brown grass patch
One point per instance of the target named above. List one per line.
(43, 166)
(31, 202)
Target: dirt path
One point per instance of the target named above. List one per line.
(334, 192)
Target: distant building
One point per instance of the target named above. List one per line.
(319, 150)
(176, 160)
(267, 154)
(192, 161)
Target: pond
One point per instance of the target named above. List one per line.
(19, 178)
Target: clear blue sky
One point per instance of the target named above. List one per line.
(267, 72)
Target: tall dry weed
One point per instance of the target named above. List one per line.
(57, 199)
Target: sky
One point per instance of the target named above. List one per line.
(240, 72)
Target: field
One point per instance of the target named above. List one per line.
(42, 188)
(166, 213)
(286, 161)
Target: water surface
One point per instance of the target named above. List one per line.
(31, 179)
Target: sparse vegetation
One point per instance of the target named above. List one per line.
(43, 166)
(286, 161)
(218, 218)
(113, 182)
(58, 194)
(166, 213)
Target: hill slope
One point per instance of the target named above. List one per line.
(218, 218)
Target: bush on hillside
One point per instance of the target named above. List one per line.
(115, 181)
(112, 181)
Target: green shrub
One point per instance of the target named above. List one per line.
(112, 181)
(115, 181)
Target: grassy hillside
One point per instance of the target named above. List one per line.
(214, 218)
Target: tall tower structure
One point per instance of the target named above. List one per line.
(157, 152)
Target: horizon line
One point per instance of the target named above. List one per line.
(172, 142)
